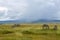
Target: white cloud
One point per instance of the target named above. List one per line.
(3, 11)
(15, 8)
(32, 9)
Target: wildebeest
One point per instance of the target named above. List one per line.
(45, 26)
(16, 25)
(55, 27)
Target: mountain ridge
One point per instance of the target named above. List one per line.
(25, 21)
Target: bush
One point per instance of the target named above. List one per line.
(27, 32)
(6, 31)
(43, 33)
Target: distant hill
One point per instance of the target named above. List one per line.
(12, 21)
(46, 21)
(24, 21)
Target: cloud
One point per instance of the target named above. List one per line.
(15, 7)
(3, 12)
(5, 19)
(40, 9)
(31, 10)
(43, 9)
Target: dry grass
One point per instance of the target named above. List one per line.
(29, 32)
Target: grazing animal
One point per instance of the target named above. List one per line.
(55, 27)
(45, 26)
(15, 25)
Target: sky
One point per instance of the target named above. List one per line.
(29, 10)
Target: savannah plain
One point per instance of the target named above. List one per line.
(29, 32)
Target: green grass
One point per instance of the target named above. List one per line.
(29, 32)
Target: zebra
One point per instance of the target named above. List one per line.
(45, 26)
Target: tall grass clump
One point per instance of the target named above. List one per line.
(27, 32)
(6, 31)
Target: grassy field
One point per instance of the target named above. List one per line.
(28, 32)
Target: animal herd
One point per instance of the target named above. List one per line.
(44, 26)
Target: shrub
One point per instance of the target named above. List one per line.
(6, 32)
(27, 32)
